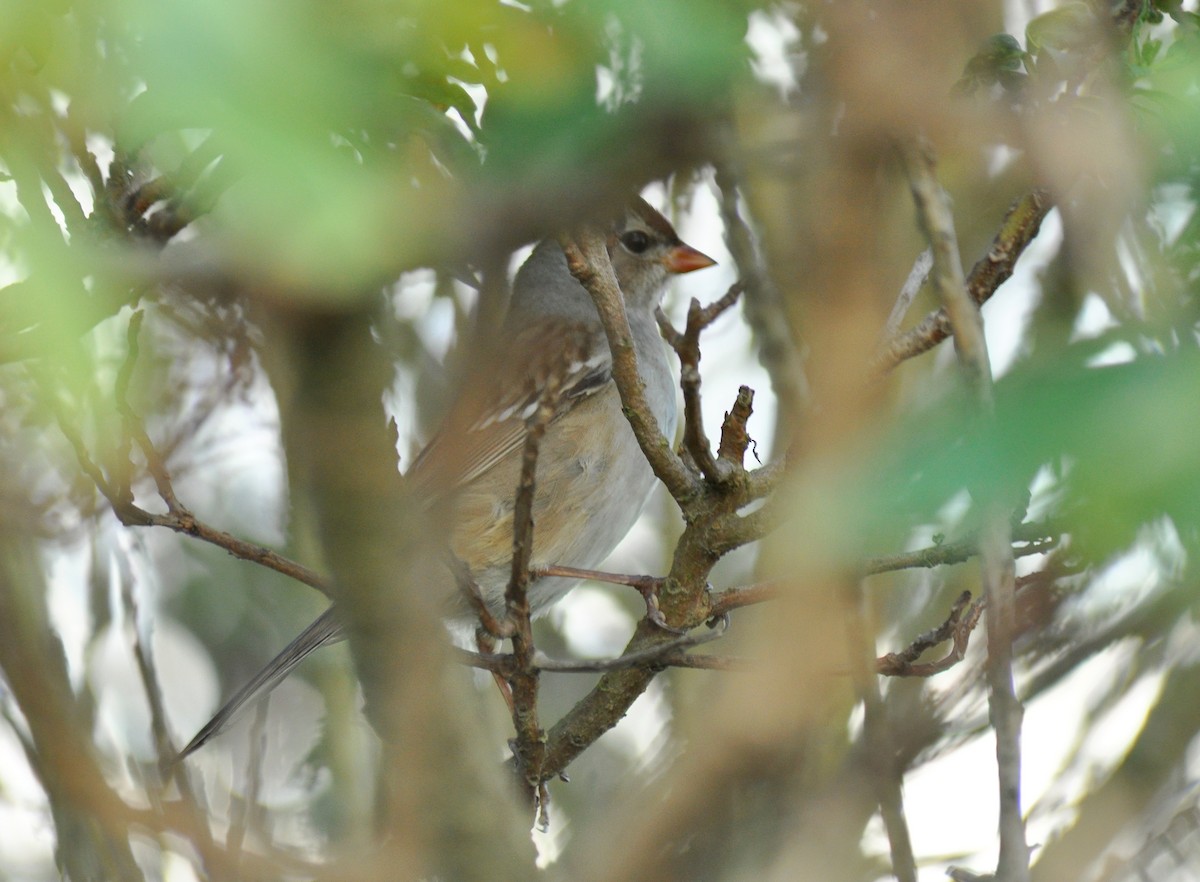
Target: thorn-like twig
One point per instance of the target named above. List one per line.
(964, 616)
(734, 438)
(687, 347)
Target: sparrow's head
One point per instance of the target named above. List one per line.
(645, 251)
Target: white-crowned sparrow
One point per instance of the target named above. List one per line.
(592, 478)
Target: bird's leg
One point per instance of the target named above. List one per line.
(647, 586)
(490, 630)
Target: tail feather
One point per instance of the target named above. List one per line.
(326, 629)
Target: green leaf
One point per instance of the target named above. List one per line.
(1150, 50)
(1001, 60)
(1123, 437)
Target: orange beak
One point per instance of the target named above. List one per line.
(684, 259)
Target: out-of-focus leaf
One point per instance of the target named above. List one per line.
(1124, 436)
(1070, 26)
(441, 93)
(1148, 51)
(28, 32)
(1166, 99)
(1001, 60)
(688, 48)
(279, 84)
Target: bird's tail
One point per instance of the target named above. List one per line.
(326, 629)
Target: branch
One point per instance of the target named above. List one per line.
(1019, 228)
(57, 744)
(246, 812)
(1036, 540)
(959, 624)
(151, 685)
(529, 746)
(134, 427)
(765, 480)
(763, 307)
(587, 258)
(995, 542)
(916, 278)
(937, 222)
(178, 517)
(647, 586)
(734, 530)
(735, 440)
(653, 658)
(745, 595)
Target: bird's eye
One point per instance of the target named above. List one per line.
(636, 241)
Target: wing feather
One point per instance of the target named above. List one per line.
(487, 424)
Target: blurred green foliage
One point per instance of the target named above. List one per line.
(345, 142)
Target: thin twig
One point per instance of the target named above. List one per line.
(497, 628)
(744, 595)
(134, 427)
(1036, 539)
(653, 657)
(182, 520)
(647, 586)
(959, 624)
(707, 662)
(529, 746)
(883, 765)
(916, 278)
(995, 540)
(242, 812)
(1029, 538)
(151, 685)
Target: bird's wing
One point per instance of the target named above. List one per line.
(487, 423)
(326, 629)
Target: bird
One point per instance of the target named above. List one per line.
(592, 478)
